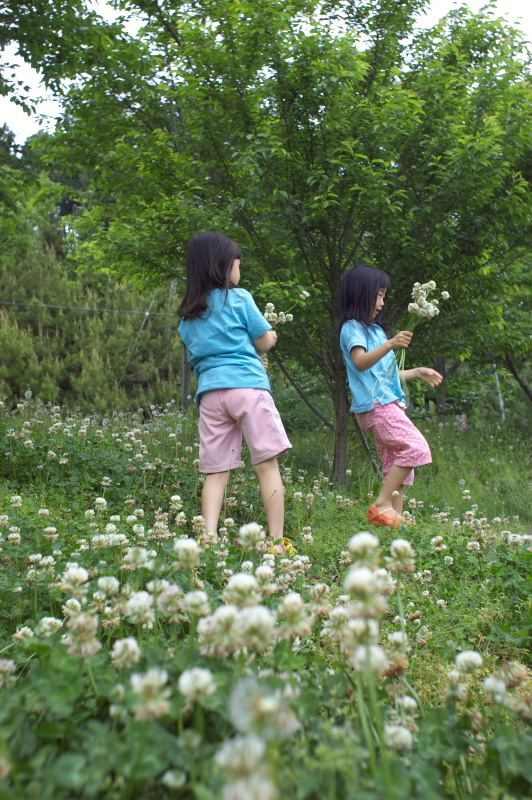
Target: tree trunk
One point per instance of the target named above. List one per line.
(341, 406)
(527, 389)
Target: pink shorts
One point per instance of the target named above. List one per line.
(397, 439)
(226, 415)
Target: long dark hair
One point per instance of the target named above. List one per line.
(358, 292)
(209, 259)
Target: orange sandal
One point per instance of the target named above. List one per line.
(393, 520)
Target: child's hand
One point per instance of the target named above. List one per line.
(430, 376)
(265, 361)
(402, 339)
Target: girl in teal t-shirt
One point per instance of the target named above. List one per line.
(375, 382)
(224, 332)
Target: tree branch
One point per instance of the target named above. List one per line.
(300, 391)
(522, 383)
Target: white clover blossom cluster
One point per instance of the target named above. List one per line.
(188, 554)
(151, 698)
(229, 629)
(125, 653)
(196, 684)
(244, 760)
(276, 317)
(250, 535)
(352, 623)
(254, 708)
(421, 307)
(82, 636)
(7, 668)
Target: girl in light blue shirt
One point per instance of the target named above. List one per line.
(375, 382)
(224, 332)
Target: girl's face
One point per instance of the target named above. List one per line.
(234, 273)
(381, 297)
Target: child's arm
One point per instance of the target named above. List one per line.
(266, 341)
(363, 359)
(426, 374)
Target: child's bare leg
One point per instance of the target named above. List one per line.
(393, 483)
(272, 493)
(212, 498)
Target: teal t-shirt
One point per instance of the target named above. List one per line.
(380, 382)
(220, 343)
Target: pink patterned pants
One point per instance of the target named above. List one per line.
(398, 441)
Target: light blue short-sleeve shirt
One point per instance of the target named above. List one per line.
(380, 382)
(220, 343)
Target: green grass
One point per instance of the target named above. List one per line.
(69, 724)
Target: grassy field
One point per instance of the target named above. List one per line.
(142, 659)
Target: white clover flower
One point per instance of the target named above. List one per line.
(362, 545)
(170, 603)
(125, 653)
(47, 626)
(474, 547)
(196, 603)
(242, 590)
(136, 557)
(256, 626)
(197, 683)
(100, 503)
(139, 609)
(254, 708)
(445, 295)
(250, 535)
(361, 582)
(108, 585)
(295, 618)
(254, 787)
(219, 633)
(242, 755)
(188, 553)
(174, 779)
(358, 632)
(22, 633)
(468, 661)
(448, 560)
(264, 574)
(7, 668)
(402, 556)
(397, 737)
(386, 583)
(370, 658)
(408, 703)
(152, 699)
(398, 639)
(16, 501)
(496, 687)
(74, 580)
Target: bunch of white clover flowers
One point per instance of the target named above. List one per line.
(421, 307)
(281, 317)
(276, 317)
(419, 310)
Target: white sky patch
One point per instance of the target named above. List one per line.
(516, 12)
